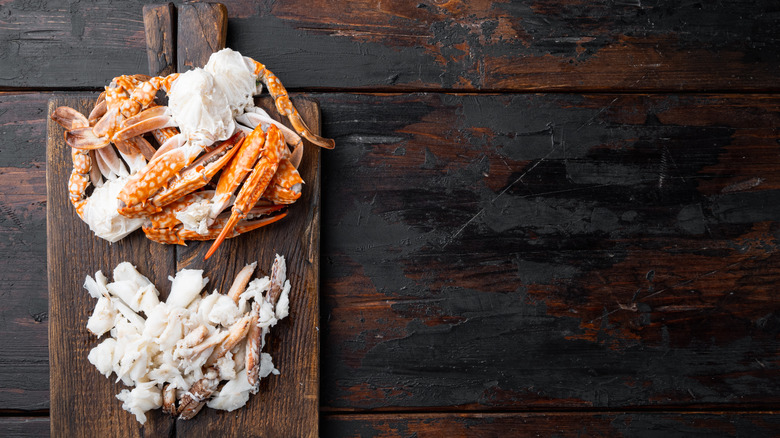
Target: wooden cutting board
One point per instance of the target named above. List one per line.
(84, 403)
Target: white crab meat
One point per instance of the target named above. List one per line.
(142, 398)
(224, 312)
(103, 318)
(200, 110)
(233, 395)
(186, 286)
(235, 78)
(101, 215)
(102, 356)
(178, 342)
(196, 216)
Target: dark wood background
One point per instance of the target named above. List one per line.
(541, 217)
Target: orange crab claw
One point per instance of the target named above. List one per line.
(153, 177)
(201, 171)
(256, 183)
(285, 187)
(237, 228)
(285, 106)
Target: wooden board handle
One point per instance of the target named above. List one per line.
(159, 23)
(202, 30)
(180, 39)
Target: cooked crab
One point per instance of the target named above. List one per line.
(210, 126)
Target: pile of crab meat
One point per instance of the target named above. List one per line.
(175, 354)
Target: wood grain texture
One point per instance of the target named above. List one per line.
(24, 373)
(527, 252)
(287, 405)
(293, 397)
(711, 333)
(612, 424)
(454, 425)
(78, 390)
(423, 45)
(202, 30)
(159, 21)
(23, 427)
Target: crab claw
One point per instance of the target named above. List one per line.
(200, 172)
(254, 186)
(152, 178)
(285, 187)
(285, 106)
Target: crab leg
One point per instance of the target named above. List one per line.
(145, 121)
(194, 399)
(253, 347)
(236, 171)
(200, 172)
(162, 135)
(285, 106)
(285, 187)
(239, 284)
(255, 184)
(69, 118)
(79, 179)
(255, 337)
(112, 161)
(243, 226)
(143, 146)
(166, 228)
(172, 143)
(153, 177)
(99, 110)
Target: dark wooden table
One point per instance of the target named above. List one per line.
(541, 218)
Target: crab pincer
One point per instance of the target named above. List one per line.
(263, 172)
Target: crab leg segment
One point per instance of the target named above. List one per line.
(201, 172)
(236, 171)
(255, 336)
(69, 118)
(285, 187)
(168, 228)
(79, 179)
(243, 226)
(145, 121)
(153, 177)
(255, 184)
(285, 106)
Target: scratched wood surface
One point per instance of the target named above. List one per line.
(501, 263)
(284, 406)
(608, 302)
(424, 44)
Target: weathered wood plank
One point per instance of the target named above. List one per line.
(476, 45)
(78, 390)
(24, 374)
(554, 250)
(159, 29)
(202, 30)
(571, 241)
(24, 427)
(288, 404)
(614, 424)
(618, 424)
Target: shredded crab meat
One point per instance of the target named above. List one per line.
(100, 212)
(187, 346)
